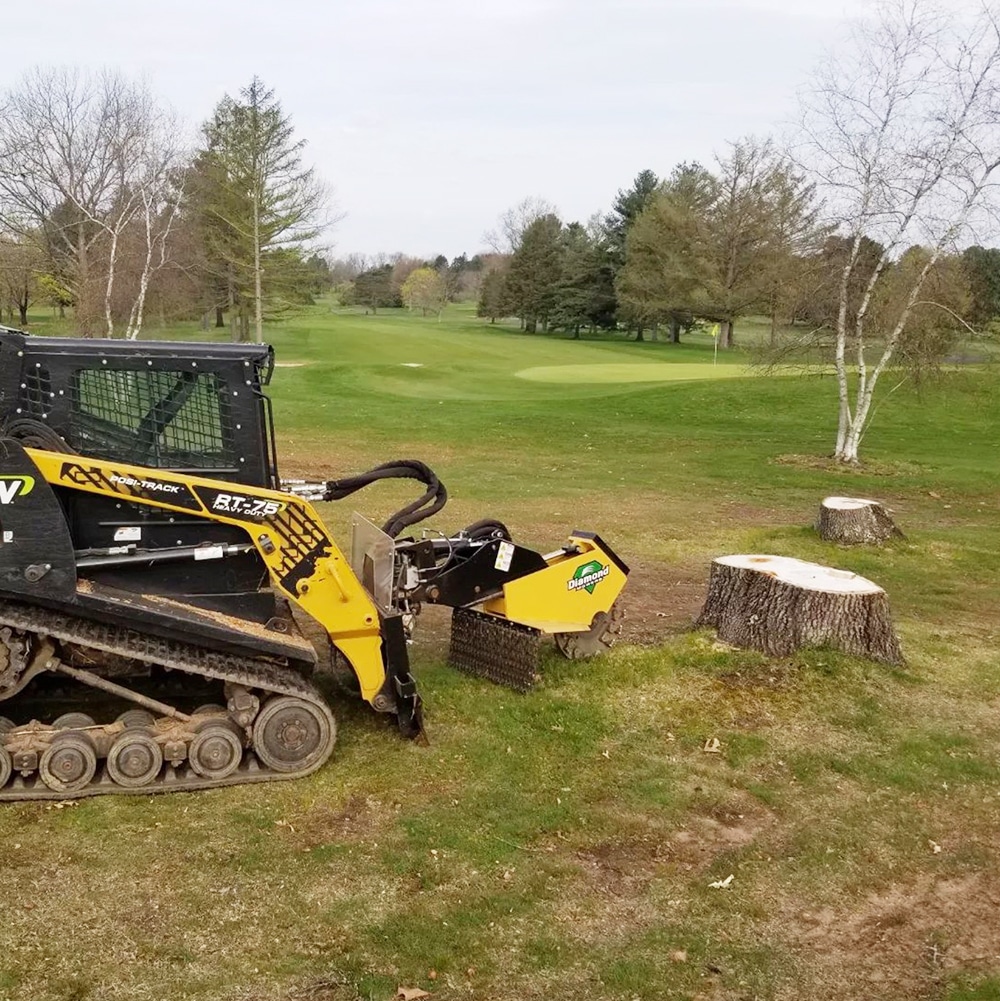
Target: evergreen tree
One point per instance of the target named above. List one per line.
(667, 260)
(585, 290)
(373, 288)
(255, 198)
(492, 295)
(535, 270)
(982, 271)
(627, 206)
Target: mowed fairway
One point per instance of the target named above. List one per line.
(562, 845)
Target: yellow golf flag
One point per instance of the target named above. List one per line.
(715, 330)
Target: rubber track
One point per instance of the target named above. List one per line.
(492, 648)
(172, 655)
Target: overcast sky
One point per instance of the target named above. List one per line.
(430, 117)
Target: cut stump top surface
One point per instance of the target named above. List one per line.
(848, 503)
(799, 573)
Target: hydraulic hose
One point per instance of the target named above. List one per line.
(433, 500)
(34, 434)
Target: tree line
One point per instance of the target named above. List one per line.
(709, 246)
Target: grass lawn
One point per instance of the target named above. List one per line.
(562, 845)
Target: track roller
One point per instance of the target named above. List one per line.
(68, 763)
(216, 751)
(292, 734)
(135, 759)
(136, 718)
(72, 721)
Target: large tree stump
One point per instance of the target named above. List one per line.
(777, 604)
(854, 520)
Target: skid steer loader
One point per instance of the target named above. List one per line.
(149, 556)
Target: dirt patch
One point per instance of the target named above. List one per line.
(714, 830)
(661, 601)
(829, 464)
(623, 867)
(619, 891)
(906, 941)
(320, 825)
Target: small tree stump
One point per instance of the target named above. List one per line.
(777, 604)
(854, 520)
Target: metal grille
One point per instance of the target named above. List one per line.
(36, 391)
(169, 420)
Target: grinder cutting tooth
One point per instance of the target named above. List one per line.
(500, 651)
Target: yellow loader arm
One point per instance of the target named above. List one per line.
(304, 562)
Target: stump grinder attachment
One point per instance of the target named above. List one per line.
(505, 597)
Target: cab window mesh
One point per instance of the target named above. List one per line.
(152, 418)
(36, 391)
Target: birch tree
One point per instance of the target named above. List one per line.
(901, 135)
(82, 158)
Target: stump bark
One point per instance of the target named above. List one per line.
(855, 521)
(777, 605)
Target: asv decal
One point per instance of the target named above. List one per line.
(15, 486)
(588, 576)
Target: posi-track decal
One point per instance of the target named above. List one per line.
(588, 576)
(175, 494)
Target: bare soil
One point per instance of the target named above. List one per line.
(903, 942)
(661, 600)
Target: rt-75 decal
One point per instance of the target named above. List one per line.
(244, 507)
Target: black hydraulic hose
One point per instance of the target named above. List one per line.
(488, 528)
(433, 500)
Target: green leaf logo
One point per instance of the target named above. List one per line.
(588, 576)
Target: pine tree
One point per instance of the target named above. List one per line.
(535, 270)
(585, 291)
(255, 199)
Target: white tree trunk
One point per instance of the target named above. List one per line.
(152, 241)
(901, 133)
(777, 605)
(109, 287)
(257, 303)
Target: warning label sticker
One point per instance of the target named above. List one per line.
(505, 553)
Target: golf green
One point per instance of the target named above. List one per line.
(630, 372)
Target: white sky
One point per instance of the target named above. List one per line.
(430, 117)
